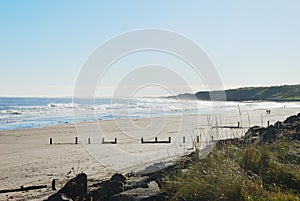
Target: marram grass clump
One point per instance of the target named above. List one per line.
(257, 172)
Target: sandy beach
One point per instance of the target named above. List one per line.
(27, 158)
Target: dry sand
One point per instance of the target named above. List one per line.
(28, 159)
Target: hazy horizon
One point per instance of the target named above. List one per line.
(153, 96)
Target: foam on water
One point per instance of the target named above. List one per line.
(19, 113)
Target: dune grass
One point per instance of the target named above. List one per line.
(257, 172)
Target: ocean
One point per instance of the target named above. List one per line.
(21, 113)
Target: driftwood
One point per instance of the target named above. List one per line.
(22, 188)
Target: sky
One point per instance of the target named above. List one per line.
(43, 44)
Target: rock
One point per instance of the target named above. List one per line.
(75, 189)
(254, 131)
(140, 194)
(279, 125)
(59, 197)
(270, 135)
(291, 119)
(118, 177)
(149, 170)
(158, 197)
(109, 188)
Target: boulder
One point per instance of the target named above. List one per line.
(118, 177)
(291, 119)
(59, 197)
(109, 188)
(254, 131)
(279, 125)
(270, 135)
(75, 189)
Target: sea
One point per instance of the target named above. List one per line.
(23, 113)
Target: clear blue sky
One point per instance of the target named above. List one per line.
(44, 43)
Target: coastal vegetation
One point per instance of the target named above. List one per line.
(266, 169)
(273, 93)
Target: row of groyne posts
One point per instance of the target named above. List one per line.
(237, 127)
(115, 141)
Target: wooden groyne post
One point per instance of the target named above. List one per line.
(50, 140)
(53, 184)
(155, 141)
(238, 126)
(109, 142)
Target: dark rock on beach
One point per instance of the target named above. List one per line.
(109, 188)
(270, 135)
(75, 189)
(60, 197)
(291, 119)
(289, 129)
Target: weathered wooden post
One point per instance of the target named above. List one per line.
(155, 139)
(169, 139)
(50, 140)
(53, 184)
(89, 140)
(76, 140)
(198, 139)
(109, 142)
(238, 124)
(142, 140)
(183, 139)
(268, 124)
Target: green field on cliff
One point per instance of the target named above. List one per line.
(273, 93)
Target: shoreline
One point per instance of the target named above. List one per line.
(27, 158)
(25, 122)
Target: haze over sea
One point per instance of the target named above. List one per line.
(20, 113)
